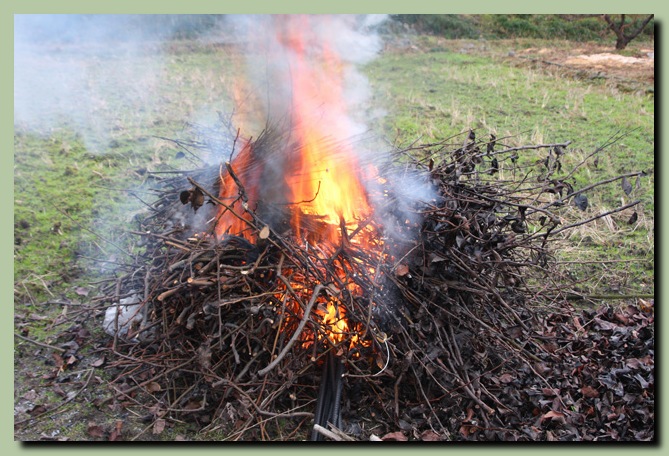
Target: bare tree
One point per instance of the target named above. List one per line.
(626, 32)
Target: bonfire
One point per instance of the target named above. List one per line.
(304, 284)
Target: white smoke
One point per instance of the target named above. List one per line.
(271, 63)
(86, 73)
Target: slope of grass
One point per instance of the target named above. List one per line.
(437, 94)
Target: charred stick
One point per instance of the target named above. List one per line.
(240, 186)
(218, 201)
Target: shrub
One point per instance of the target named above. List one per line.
(451, 26)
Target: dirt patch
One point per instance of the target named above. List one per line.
(635, 65)
(608, 60)
(632, 68)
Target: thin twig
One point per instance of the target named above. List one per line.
(298, 331)
(41, 344)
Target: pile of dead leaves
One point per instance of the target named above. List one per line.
(599, 386)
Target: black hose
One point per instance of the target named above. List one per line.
(328, 404)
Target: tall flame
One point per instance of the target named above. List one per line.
(321, 174)
(231, 218)
(326, 180)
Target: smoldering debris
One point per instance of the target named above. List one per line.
(436, 322)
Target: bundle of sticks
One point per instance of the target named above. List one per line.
(232, 332)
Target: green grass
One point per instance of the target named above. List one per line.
(435, 95)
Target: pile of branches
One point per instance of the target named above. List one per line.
(229, 334)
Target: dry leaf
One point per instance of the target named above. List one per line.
(95, 431)
(589, 391)
(627, 187)
(401, 270)
(468, 429)
(430, 436)
(159, 426)
(98, 362)
(646, 306)
(153, 387)
(506, 378)
(81, 291)
(185, 196)
(380, 362)
(37, 410)
(554, 416)
(196, 199)
(58, 360)
(397, 436)
(116, 432)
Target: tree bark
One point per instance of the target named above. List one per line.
(620, 29)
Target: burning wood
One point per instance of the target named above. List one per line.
(408, 312)
(296, 256)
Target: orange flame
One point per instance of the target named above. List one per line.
(323, 174)
(326, 180)
(229, 193)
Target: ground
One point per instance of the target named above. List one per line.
(599, 61)
(60, 388)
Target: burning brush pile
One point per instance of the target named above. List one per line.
(297, 289)
(275, 308)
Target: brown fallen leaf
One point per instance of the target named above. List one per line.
(397, 436)
(468, 429)
(646, 306)
(589, 391)
(37, 410)
(58, 360)
(550, 392)
(95, 431)
(116, 432)
(98, 362)
(81, 291)
(159, 426)
(554, 416)
(430, 436)
(506, 378)
(153, 387)
(401, 270)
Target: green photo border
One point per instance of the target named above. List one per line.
(10, 7)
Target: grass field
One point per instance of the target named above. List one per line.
(76, 176)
